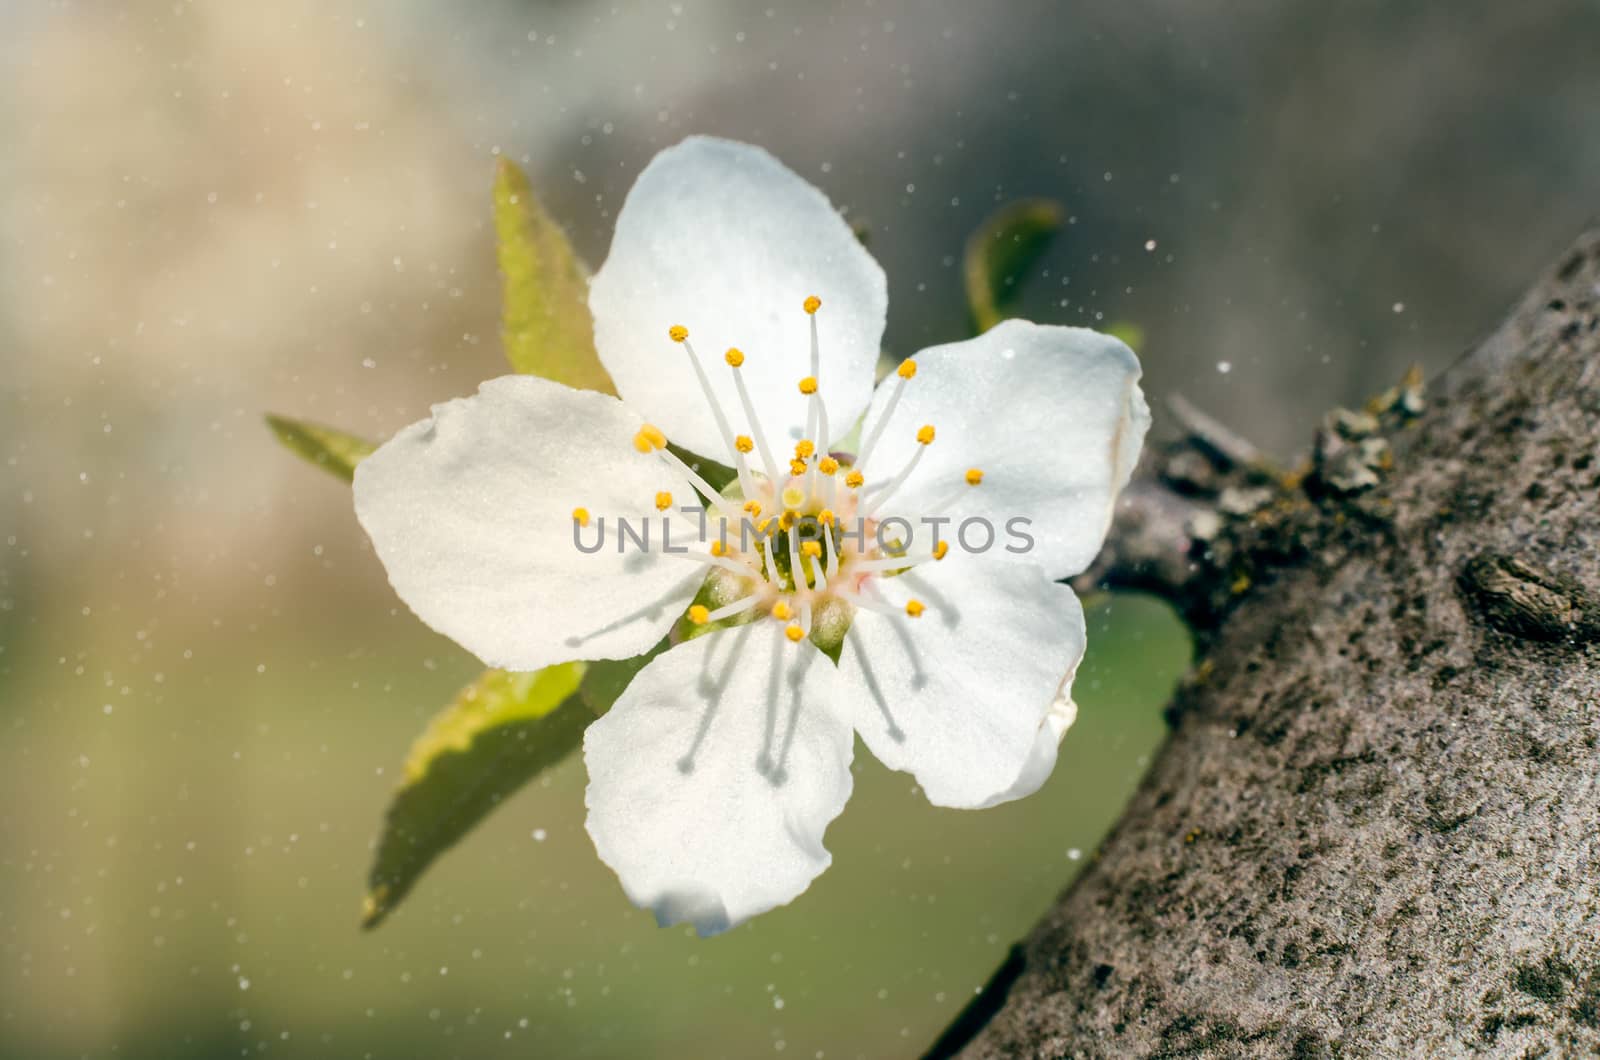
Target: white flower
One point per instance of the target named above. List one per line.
(714, 776)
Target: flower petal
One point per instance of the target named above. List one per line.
(724, 239)
(960, 696)
(1052, 416)
(471, 512)
(1042, 759)
(713, 778)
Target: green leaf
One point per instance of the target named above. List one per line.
(332, 450)
(545, 310)
(606, 679)
(1001, 251)
(501, 731)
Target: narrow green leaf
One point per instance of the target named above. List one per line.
(545, 310)
(1000, 252)
(332, 450)
(501, 731)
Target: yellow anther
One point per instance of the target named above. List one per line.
(907, 369)
(699, 615)
(765, 525)
(734, 357)
(974, 475)
(781, 612)
(811, 548)
(925, 434)
(797, 467)
(663, 501)
(580, 516)
(812, 304)
(808, 385)
(718, 548)
(753, 507)
(804, 448)
(744, 443)
(827, 465)
(854, 479)
(914, 608)
(648, 438)
(678, 332)
(792, 497)
(787, 520)
(826, 517)
(940, 549)
(794, 632)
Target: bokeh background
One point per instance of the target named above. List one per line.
(211, 210)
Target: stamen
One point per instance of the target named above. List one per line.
(755, 426)
(974, 475)
(854, 479)
(781, 612)
(678, 332)
(797, 467)
(808, 385)
(753, 507)
(580, 516)
(819, 412)
(648, 438)
(794, 633)
(675, 462)
(804, 448)
(663, 501)
(828, 465)
(738, 607)
(811, 548)
(699, 614)
(827, 518)
(914, 608)
(907, 369)
(718, 548)
(797, 574)
(743, 443)
(734, 357)
(716, 412)
(811, 305)
(940, 550)
(925, 436)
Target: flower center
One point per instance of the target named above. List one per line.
(801, 541)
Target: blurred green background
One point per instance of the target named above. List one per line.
(210, 210)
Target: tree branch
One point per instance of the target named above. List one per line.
(1372, 830)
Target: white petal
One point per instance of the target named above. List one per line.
(713, 778)
(471, 513)
(1052, 416)
(1042, 759)
(958, 696)
(722, 238)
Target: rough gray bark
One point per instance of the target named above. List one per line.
(1375, 828)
